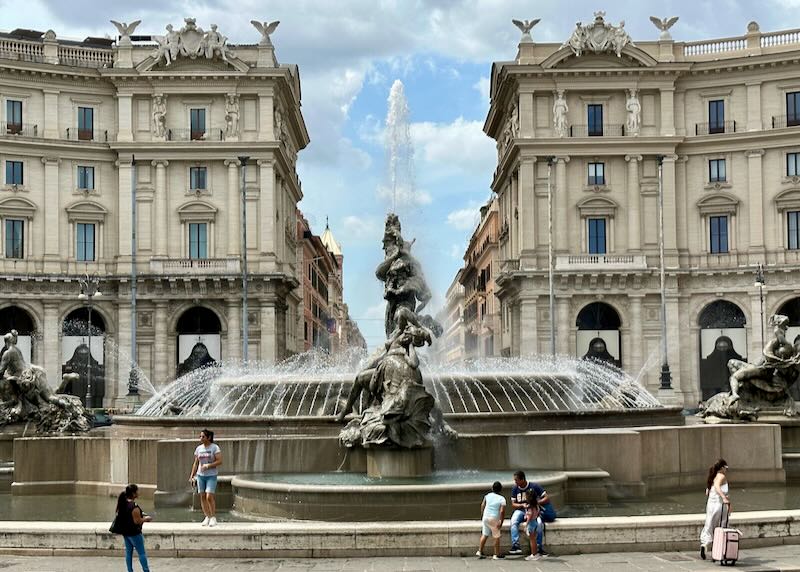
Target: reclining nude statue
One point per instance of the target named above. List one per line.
(765, 384)
(400, 412)
(26, 396)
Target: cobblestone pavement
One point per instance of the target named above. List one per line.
(775, 559)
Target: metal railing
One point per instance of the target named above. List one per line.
(195, 135)
(75, 134)
(781, 121)
(20, 129)
(711, 128)
(607, 130)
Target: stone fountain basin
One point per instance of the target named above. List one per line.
(354, 497)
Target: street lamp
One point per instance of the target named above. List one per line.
(666, 376)
(550, 267)
(760, 283)
(90, 288)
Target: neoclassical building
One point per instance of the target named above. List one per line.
(90, 129)
(589, 125)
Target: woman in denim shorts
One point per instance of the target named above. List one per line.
(207, 458)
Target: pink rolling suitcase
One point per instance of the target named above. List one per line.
(726, 542)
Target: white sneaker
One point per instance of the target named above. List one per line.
(205, 522)
(213, 521)
(533, 557)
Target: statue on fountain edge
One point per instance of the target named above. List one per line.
(761, 385)
(25, 396)
(400, 411)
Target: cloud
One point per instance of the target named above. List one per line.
(457, 251)
(466, 218)
(404, 196)
(459, 147)
(361, 228)
(482, 86)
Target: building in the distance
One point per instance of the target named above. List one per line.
(481, 318)
(449, 347)
(90, 129)
(590, 124)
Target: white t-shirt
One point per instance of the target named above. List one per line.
(493, 503)
(205, 456)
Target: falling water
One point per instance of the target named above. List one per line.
(399, 148)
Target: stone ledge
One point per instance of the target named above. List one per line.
(424, 538)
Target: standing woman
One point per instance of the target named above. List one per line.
(129, 522)
(207, 457)
(717, 491)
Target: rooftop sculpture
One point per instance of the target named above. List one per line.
(598, 37)
(191, 42)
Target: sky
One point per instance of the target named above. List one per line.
(350, 52)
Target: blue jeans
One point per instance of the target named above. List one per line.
(547, 514)
(136, 542)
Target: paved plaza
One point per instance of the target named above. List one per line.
(774, 559)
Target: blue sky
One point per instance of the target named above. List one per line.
(350, 52)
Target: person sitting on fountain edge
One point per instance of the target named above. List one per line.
(519, 504)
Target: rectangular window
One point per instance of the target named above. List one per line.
(597, 175)
(197, 178)
(597, 236)
(595, 128)
(85, 242)
(197, 118)
(13, 116)
(15, 237)
(14, 173)
(716, 116)
(792, 164)
(86, 178)
(719, 234)
(716, 171)
(793, 108)
(793, 224)
(85, 123)
(198, 240)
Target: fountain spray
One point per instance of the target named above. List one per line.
(399, 148)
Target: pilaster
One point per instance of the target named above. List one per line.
(234, 208)
(266, 121)
(266, 219)
(52, 351)
(634, 204)
(670, 229)
(233, 310)
(125, 116)
(161, 357)
(755, 194)
(51, 205)
(527, 120)
(636, 351)
(528, 330)
(561, 206)
(563, 326)
(162, 207)
(754, 122)
(124, 214)
(527, 206)
(269, 346)
(667, 111)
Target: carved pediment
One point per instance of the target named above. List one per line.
(597, 206)
(17, 207)
(718, 203)
(197, 211)
(193, 66)
(788, 200)
(630, 57)
(86, 210)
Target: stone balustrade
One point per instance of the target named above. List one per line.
(85, 57)
(715, 46)
(200, 266)
(600, 262)
(23, 50)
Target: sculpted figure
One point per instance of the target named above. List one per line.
(560, 110)
(577, 40)
(724, 406)
(125, 30)
(159, 115)
(525, 26)
(620, 38)
(231, 115)
(173, 39)
(634, 110)
(214, 43)
(265, 29)
(664, 24)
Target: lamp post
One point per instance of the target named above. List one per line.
(90, 288)
(666, 376)
(550, 265)
(760, 283)
(133, 378)
(245, 326)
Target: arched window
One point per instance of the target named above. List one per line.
(723, 337)
(75, 343)
(598, 333)
(198, 331)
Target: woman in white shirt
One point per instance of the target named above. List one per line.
(717, 492)
(493, 512)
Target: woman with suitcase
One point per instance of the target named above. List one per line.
(717, 492)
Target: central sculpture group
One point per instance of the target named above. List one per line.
(400, 412)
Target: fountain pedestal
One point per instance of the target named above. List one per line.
(384, 463)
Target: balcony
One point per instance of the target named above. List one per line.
(510, 265)
(195, 135)
(713, 128)
(601, 262)
(610, 130)
(76, 134)
(19, 129)
(781, 121)
(194, 266)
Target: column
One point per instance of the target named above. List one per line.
(754, 106)
(234, 208)
(51, 352)
(266, 210)
(124, 342)
(667, 111)
(124, 208)
(528, 328)
(681, 198)
(563, 326)
(266, 130)
(636, 351)
(161, 350)
(269, 322)
(125, 116)
(50, 114)
(233, 309)
(755, 194)
(634, 204)
(162, 208)
(561, 206)
(668, 188)
(50, 234)
(527, 206)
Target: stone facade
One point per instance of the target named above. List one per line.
(449, 347)
(593, 127)
(87, 129)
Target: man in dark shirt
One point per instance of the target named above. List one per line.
(518, 503)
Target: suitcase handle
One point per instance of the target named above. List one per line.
(723, 518)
